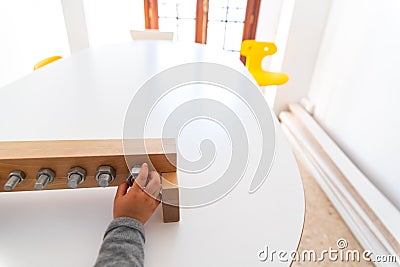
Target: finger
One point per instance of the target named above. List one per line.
(142, 177)
(122, 189)
(153, 188)
(159, 197)
(135, 189)
(156, 203)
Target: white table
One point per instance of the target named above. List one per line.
(86, 96)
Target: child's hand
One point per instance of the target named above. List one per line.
(141, 200)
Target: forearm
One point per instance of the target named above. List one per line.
(123, 244)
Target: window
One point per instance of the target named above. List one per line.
(178, 16)
(220, 23)
(225, 24)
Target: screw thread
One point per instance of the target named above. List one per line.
(74, 180)
(41, 182)
(12, 183)
(104, 180)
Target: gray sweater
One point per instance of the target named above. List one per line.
(123, 244)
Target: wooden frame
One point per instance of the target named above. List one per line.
(151, 14)
(202, 7)
(201, 21)
(60, 156)
(170, 194)
(251, 19)
(250, 22)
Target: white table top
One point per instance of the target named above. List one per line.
(86, 96)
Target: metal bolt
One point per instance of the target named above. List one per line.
(133, 174)
(105, 175)
(44, 176)
(103, 180)
(76, 176)
(14, 178)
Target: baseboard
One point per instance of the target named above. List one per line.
(370, 216)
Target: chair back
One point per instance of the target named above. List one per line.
(151, 35)
(46, 61)
(255, 52)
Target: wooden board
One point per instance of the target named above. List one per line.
(60, 156)
(170, 194)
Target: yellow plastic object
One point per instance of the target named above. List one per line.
(255, 52)
(46, 61)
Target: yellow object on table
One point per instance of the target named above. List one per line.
(46, 61)
(255, 52)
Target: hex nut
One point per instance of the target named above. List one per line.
(49, 172)
(130, 178)
(105, 169)
(20, 174)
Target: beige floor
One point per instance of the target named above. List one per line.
(323, 226)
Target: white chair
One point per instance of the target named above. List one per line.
(151, 35)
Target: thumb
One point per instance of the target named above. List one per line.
(142, 177)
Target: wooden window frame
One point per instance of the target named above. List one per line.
(201, 21)
(151, 14)
(250, 22)
(202, 7)
(251, 19)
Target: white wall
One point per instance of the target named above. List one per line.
(304, 39)
(101, 22)
(356, 87)
(33, 30)
(30, 31)
(268, 20)
(110, 21)
(267, 27)
(273, 26)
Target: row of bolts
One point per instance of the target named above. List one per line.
(105, 175)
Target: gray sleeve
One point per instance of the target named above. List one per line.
(123, 244)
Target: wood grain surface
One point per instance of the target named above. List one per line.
(60, 156)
